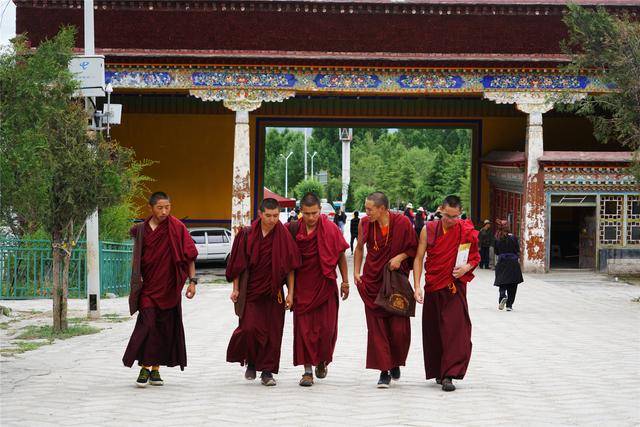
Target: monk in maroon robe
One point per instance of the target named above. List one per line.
(164, 256)
(267, 254)
(391, 243)
(315, 308)
(446, 326)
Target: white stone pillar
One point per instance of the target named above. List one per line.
(241, 102)
(241, 192)
(346, 170)
(533, 201)
(533, 230)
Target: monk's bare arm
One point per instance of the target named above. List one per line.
(291, 278)
(397, 260)
(191, 289)
(357, 257)
(344, 273)
(236, 290)
(417, 264)
(192, 269)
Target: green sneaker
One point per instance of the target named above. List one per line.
(155, 378)
(143, 377)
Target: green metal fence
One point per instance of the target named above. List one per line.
(26, 269)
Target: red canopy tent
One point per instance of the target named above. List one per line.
(283, 201)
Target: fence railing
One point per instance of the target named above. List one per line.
(26, 269)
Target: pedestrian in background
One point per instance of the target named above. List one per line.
(340, 219)
(408, 212)
(355, 221)
(508, 272)
(486, 240)
(420, 216)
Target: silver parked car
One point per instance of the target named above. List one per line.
(213, 243)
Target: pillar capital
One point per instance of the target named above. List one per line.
(534, 103)
(242, 99)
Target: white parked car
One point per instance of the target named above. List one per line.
(213, 243)
(328, 210)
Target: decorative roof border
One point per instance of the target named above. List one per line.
(325, 7)
(390, 81)
(594, 177)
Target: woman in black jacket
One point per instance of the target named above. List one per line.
(508, 272)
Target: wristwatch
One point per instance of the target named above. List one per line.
(193, 280)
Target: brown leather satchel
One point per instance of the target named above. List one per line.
(396, 294)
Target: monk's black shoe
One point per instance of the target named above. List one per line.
(447, 385)
(267, 379)
(154, 378)
(438, 381)
(395, 373)
(143, 377)
(385, 380)
(250, 373)
(321, 370)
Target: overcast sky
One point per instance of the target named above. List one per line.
(8, 21)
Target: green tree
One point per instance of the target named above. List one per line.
(611, 45)
(360, 195)
(53, 172)
(116, 221)
(308, 186)
(334, 190)
(350, 203)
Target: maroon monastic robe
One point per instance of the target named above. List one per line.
(158, 336)
(269, 259)
(315, 309)
(446, 326)
(389, 336)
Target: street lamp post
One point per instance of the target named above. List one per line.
(305, 153)
(286, 172)
(312, 156)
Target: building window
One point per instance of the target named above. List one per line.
(611, 207)
(610, 232)
(633, 220)
(611, 214)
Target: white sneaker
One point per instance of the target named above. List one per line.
(503, 303)
(509, 309)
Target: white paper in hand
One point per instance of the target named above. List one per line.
(463, 254)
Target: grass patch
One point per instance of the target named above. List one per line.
(23, 346)
(114, 318)
(46, 332)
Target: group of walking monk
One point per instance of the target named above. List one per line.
(304, 256)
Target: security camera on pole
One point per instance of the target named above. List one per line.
(93, 234)
(346, 135)
(88, 70)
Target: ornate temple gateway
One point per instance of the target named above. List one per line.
(201, 80)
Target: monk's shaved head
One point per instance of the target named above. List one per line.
(157, 196)
(269, 203)
(452, 201)
(379, 199)
(310, 199)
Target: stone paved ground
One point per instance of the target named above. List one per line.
(569, 354)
